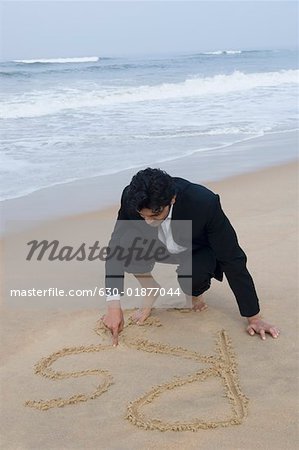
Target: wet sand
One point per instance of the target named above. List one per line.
(181, 381)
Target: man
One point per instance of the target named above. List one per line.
(159, 201)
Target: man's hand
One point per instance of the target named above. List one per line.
(141, 315)
(257, 325)
(114, 320)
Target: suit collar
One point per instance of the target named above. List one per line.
(180, 185)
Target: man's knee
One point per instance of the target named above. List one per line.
(194, 285)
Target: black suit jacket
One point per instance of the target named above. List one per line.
(210, 227)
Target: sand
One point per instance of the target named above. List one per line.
(221, 365)
(182, 380)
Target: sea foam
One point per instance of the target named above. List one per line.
(223, 52)
(35, 104)
(58, 60)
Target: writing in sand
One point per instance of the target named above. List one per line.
(221, 364)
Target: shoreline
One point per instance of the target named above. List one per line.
(168, 160)
(216, 186)
(102, 191)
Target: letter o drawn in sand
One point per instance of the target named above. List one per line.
(222, 364)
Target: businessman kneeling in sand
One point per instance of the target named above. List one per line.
(159, 202)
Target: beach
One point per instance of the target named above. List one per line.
(184, 380)
(92, 93)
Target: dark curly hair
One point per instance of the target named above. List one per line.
(150, 188)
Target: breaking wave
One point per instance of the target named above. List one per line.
(35, 104)
(58, 60)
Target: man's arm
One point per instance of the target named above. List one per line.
(224, 242)
(114, 270)
(114, 279)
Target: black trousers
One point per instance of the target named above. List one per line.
(194, 268)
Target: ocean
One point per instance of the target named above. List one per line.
(70, 119)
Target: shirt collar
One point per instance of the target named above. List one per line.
(170, 212)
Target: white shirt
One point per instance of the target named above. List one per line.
(165, 236)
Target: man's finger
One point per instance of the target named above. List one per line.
(115, 337)
(263, 334)
(141, 320)
(136, 316)
(274, 332)
(250, 331)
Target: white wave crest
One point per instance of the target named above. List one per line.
(224, 52)
(42, 103)
(58, 60)
(210, 132)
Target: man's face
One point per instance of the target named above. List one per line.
(154, 219)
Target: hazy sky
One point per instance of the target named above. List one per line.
(81, 28)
